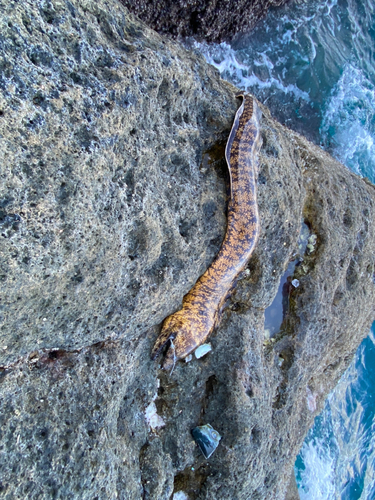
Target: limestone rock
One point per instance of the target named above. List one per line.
(113, 199)
(103, 126)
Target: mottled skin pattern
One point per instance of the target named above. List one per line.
(188, 328)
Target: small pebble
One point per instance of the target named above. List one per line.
(312, 239)
(180, 495)
(310, 247)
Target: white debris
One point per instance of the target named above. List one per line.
(188, 358)
(295, 283)
(180, 495)
(202, 350)
(152, 418)
(311, 399)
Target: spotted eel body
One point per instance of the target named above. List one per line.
(189, 327)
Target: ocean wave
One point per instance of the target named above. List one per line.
(348, 126)
(316, 480)
(280, 62)
(337, 459)
(226, 60)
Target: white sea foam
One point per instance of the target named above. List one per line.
(317, 479)
(339, 453)
(226, 60)
(348, 129)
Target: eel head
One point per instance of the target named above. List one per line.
(184, 332)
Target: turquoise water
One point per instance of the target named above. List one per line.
(337, 459)
(313, 64)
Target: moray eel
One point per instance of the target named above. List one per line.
(189, 327)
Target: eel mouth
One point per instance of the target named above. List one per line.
(161, 342)
(170, 359)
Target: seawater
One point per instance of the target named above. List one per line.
(337, 459)
(313, 64)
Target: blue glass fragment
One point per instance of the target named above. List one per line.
(206, 438)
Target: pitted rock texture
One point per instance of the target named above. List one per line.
(113, 199)
(210, 20)
(103, 126)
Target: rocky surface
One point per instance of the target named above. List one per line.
(210, 20)
(113, 198)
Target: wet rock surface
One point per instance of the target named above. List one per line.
(113, 199)
(210, 20)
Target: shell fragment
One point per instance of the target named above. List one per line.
(202, 350)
